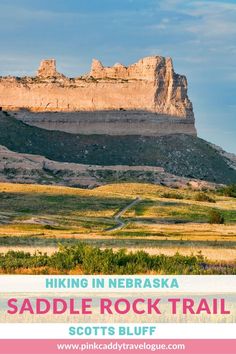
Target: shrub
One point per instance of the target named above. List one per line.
(13, 260)
(204, 197)
(215, 217)
(93, 260)
(172, 195)
(229, 191)
(87, 259)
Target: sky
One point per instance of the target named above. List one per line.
(200, 36)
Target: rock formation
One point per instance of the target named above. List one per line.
(150, 84)
(169, 91)
(133, 123)
(108, 122)
(145, 95)
(47, 68)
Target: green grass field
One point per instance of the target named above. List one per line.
(163, 221)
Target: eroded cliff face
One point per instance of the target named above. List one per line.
(168, 90)
(47, 68)
(171, 91)
(109, 122)
(145, 98)
(150, 84)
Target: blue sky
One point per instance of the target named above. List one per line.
(200, 36)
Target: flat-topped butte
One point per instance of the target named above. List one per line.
(145, 98)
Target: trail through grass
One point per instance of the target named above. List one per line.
(160, 220)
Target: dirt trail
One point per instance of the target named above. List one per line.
(118, 216)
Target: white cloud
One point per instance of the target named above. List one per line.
(214, 20)
(207, 19)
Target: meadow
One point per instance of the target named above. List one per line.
(181, 230)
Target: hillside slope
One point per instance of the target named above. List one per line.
(182, 155)
(25, 168)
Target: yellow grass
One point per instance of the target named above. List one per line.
(148, 230)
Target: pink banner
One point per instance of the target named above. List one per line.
(54, 346)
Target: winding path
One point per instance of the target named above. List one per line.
(117, 217)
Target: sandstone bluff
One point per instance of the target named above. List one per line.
(146, 98)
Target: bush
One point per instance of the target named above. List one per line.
(86, 259)
(172, 195)
(93, 260)
(13, 260)
(215, 217)
(229, 191)
(204, 197)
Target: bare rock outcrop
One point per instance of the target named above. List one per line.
(150, 84)
(26, 168)
(48, 71)
(147, 97)
(170, 89)
(47, 68)
(108, 122)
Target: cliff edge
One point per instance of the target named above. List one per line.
(146, 98)
(168, 90)
(150, 84)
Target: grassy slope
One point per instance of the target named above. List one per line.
(44, 216)
(179, 154)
